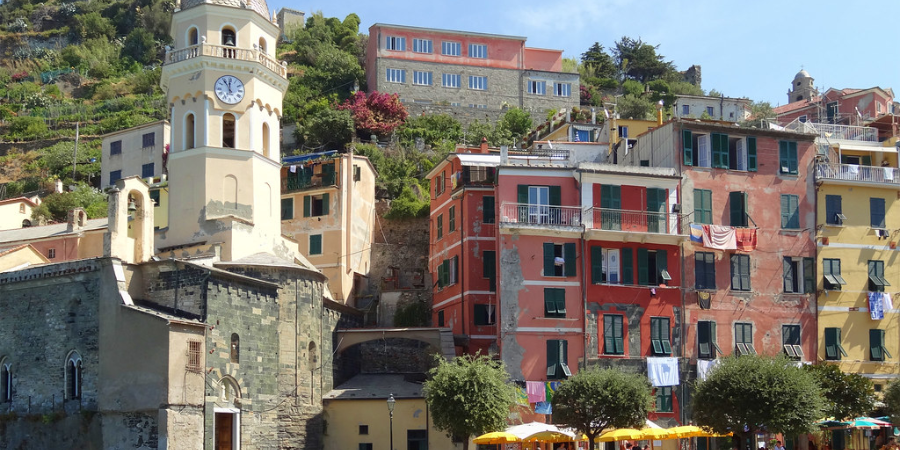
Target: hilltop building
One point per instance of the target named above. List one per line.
(469, 75)
(140, 151)
(835, 106)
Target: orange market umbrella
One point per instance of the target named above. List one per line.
(622, 434)
(550, 436)
(687, 431)
(496, 437)
(654, 434)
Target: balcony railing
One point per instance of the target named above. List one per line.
(853, 172)
(542, 215)
(636, 221)
(302, 181)
(224, 51)
(832, 132)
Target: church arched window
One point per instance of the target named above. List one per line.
(228, 128)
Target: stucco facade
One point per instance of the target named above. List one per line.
(139, 151)
(835, 106)
(16, 212)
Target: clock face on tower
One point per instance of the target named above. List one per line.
(229, 89)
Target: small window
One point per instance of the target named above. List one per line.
(477, 83)
(22, 208)
(440, 226)
(487, 208)
(831, 269)
(605, 265)
(484, 315)
(560, 260)
(194, 357)
(798, 275)
(451, 225)
(148, 140)
(790, 341)
(555, 303)
(316, 205)
(5, 381)
(877, 281)
(51, 253)
(833, 348)
(660, 344)
(710, 110)
(877, 349)
(685, 110)
(315, 244)
(115, 148)
(537, 87)
(737, 202)
(287, 208)
(562, 89)
(706, 340)
(147, 171)
(478, 51)
(613, 334)
(73, 376)
(790, 211)
(704, 270)
(489, 269)
(235, 348)
(421, 78)
(451, 48)
(833, 211)
(703, 206)
(228, 130)
(876, 213)
(365, 446)
(440, 318)
(743, 338)
(787, 156)
(395, 43)
(558, 359)
(422, 46)
(450, 80)
(664, 399)
(114, 176)
(363, 429)
(395, 75)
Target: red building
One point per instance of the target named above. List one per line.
(463, 249)
(835, 106)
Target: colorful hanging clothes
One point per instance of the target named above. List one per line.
(536, 391)
(745, 239)
(663, 371)
(543, 408)
(876, 306)
(697, 233)
(521, 396)
(551, 387)
(719, 237)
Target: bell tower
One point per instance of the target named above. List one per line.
(802, 87)
(224, 89)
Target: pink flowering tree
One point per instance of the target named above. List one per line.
(377, 113)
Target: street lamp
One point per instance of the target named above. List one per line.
(390, 403)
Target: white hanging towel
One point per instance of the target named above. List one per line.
(886, 299)
(293, 169)
(704, 366)
(663, 371)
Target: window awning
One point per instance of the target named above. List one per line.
(478, 160)
(835, 280)
(878, 281)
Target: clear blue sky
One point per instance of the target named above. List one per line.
(746, 49)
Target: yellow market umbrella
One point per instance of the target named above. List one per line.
(622, 434)
(687, 431)
(497, 437)
(654, 434)
(550, 436)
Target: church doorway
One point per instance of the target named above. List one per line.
(227, 430)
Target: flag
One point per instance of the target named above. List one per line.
(521, 396)
(543, 408)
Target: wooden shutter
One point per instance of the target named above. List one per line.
(627, 267)
(642, 257)
(552, 357)
(605, 196)
(876, 208)
(720, 150)
(785, 210)
(751, 153)
(703, 339)
(325, 203)
(570, 257)
(788, 275)
(597, 264)
(662, 263)
(559, 296)
(609, 340)
(737, 208)
(487, 209)
(616, 197)
(555, 196)
(549, 268)
(687, 146)
(876, 342)
(619, 334)
(809, 280)
(490, 264)
(735, 272)
(832, 336)
(306, 205)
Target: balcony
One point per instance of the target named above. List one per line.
(305, 179)
(853, 174)
(628, 225)
(832, 132)
(540, 216)
(224, 51)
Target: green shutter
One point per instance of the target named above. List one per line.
(325, 204)
(703, 339)
(735, 272)
(783, 165)
(615, 197)
(560, 298)
(738, 211)
(809, 280)
(446, 265)
(555, 196)
(876, 212)
(570, 257)
(751, 153)
(315, 244)
(788, 275)
(785, 211)
(552, 358)
(687, 145)
(549, 302)
(487, 209)
(719, 150)
(627, 267)
(306, 205)
(549, 269)
(440, 275)
(662, 263)
(876, 342)
(702, 206)
(619, 335)
(745, 273)
(490, 264)
(642, 257)
(523, 194)
(605, 196)
(597, 264)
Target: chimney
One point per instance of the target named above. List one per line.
(504, 155)
(484, 145)
(75, 220)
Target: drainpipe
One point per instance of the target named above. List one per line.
(462, 263)
(684, 318)
(584, 284)
(348, 213)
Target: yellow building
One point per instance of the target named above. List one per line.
(16, 212)
(357, 416)
(858, 226)
(330, 212)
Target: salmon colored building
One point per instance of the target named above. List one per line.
(835, 106)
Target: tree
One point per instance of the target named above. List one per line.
(596, 399)
(599, 62)
(514, 124)
(377, 113)
(55, 207)
(140, 46)
(436, 130)
(639, 61)
(634, 107)
(469, 396)
(758, 392)
(329, 128)
(892, 401)
(847, 395)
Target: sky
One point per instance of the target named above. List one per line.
(747, 49)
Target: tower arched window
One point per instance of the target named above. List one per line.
(73, 376)
(193, 37)
(228, 126)
(235, 347)
(265, 139)
(313, 356)
(189, 132)
(262, 46)
(5, 381)
(229, 39)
